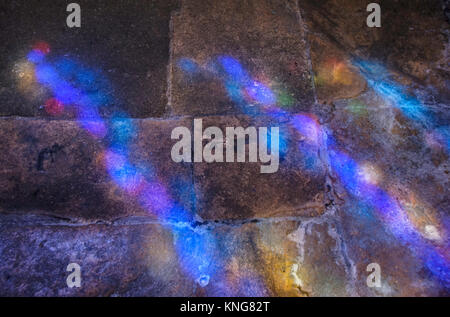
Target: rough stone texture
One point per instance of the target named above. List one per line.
(270, 258)
(265, 36)
(368, 241)
(115, 260)
(413, 38)
(251, 249)
(128, 41)
(296, 189)
(395, 149)
(363, 123)
(398, 150)
(142, 260)
(396, 155)
(310, 229)
(335, 77)
(56, 167)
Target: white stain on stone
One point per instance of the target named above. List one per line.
(298, 236)
(306, 228)
(432, 233)
(297, 280)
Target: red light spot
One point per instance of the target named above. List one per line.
(42, 47)
(54, 107)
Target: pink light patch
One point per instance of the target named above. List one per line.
(54, 107)
(42, 47)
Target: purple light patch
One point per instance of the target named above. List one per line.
(260, 93)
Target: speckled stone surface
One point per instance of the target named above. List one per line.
(268, 31)
(413, 37)
(129, 41)
(114, 260)
(141, 259)
(364, 153)
(297, 188)
(58, 168)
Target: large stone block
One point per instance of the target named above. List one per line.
(119, 54)
(134, 260)
(57, 167)
(265, 37)
(240, 191)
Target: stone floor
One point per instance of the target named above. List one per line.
(86, 174)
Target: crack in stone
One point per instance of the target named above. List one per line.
(331, 219)
(331, 206)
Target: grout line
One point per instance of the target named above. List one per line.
(23, 220)
(25, 118)
(169, 75)
(304, 33)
